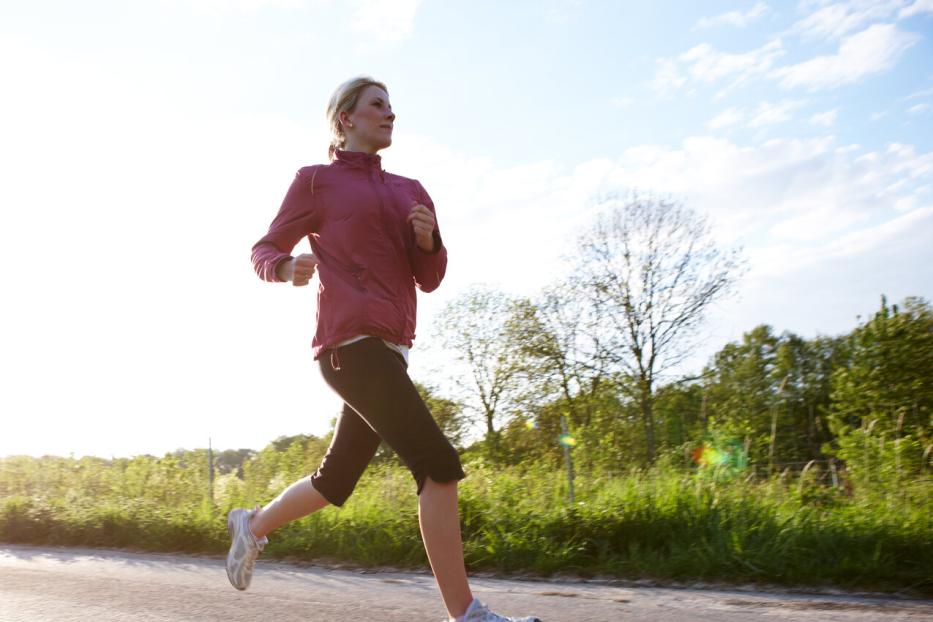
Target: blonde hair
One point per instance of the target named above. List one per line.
(344, 100)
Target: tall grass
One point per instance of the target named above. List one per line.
(663, 523)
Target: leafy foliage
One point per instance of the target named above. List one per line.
(889, 378)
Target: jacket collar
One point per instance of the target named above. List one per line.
(359, 159)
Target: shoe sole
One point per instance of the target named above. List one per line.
(231, 529)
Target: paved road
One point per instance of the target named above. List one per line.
(70, 585)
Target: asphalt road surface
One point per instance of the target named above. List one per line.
(39, 584)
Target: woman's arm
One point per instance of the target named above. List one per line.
(271, 255)
(428, 257)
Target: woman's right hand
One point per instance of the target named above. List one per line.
(298, 270)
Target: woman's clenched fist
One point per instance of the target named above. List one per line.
(298, 270)
(422, 222)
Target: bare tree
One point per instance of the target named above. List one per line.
(556, 340)
(652, 267)
(473, 329)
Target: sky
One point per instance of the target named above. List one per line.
(145, 146)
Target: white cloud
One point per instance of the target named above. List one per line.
(871, 237)
(387, 22)
(766, 113)
(815, 223)
(918, 94)
(668, 77)
(771, 114)
(705, 64)
(917, 8)
(801, 191)
(904, 159)
(847, 149)
(737, 19)
(835, 20)
(728, 117)
(825, 119)
(905, 204)
(873, 50)
(918, 108)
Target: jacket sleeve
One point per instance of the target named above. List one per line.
(428, 269)
(293, 222)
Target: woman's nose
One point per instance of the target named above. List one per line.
(390, 116)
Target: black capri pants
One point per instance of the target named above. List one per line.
(380, 403)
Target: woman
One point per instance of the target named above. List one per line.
(374, 239)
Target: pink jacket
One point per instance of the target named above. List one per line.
(355, 217)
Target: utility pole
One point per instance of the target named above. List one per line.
(567, 441)
(210, 472)
(774, 417)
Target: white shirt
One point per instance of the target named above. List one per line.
(403, 350)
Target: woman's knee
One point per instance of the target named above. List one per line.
(447, 474)
(430, 482)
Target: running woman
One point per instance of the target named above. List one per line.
(374, 239)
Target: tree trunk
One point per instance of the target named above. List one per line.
(647, 415)
(492, 438)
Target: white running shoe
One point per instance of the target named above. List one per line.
(478, 612)
(244, 548)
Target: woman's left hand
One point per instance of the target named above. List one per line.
(422, 221)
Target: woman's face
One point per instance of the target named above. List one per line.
(369, 127)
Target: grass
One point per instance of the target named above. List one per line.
(662, 524)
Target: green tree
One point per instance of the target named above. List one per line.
(447, 412)
(231, 460)
(555, 339)
(772, 391)
(742, 389)
(882, 401)
(805, 367)
(679, 408)
(890, 373)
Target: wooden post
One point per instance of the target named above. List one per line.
(774, 414)
(210, 472)
(567, 457)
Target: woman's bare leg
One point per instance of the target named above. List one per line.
(296, 501)
(439, 518)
